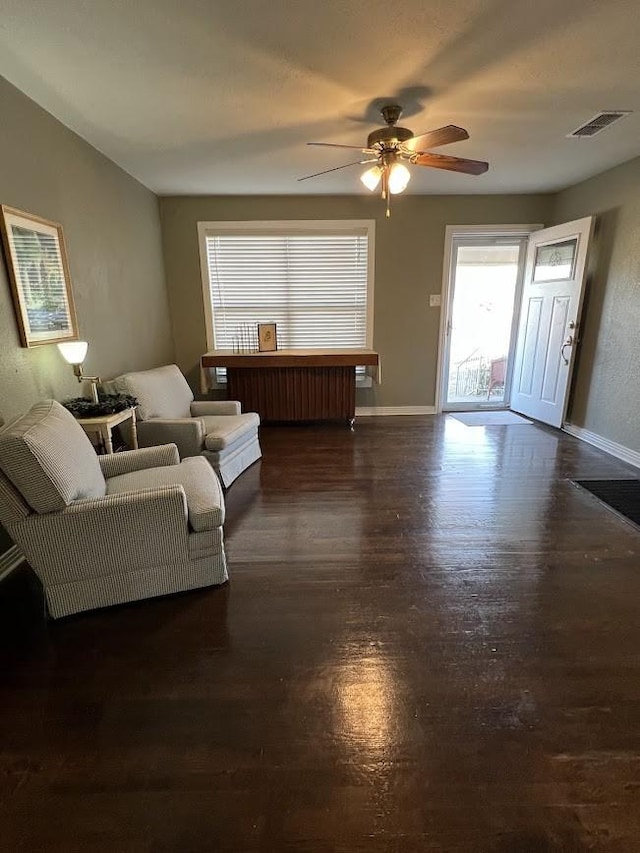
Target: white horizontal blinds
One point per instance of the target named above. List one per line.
(314, 286)
(39, 271)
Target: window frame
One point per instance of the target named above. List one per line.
(285, 227)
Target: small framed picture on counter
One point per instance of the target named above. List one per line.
(267, 337)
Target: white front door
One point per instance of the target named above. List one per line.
(549, 320)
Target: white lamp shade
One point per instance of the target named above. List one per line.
(371, 178)
(398, 178)
(74, 351)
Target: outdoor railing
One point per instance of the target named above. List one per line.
(470, 377)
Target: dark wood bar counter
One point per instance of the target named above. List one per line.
(294, 385)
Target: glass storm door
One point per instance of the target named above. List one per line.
(485, 281)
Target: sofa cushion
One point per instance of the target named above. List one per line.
(49, 459)
(224, 430)
(205, 501)
(162, 392)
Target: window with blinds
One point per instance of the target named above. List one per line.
(314, 280)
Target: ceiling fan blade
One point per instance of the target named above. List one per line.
(337, 145)
(453, 164)
(336, 168)
(433, 138)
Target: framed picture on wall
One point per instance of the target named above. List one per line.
(267, 337)
(39, 278)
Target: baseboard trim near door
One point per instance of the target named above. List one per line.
(369, 411)
(621, 452)
(10, 560)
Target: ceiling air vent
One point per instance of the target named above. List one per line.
(598, 122)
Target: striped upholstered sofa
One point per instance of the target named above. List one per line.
(101, 530)
(167, 412)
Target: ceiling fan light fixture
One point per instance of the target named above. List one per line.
(388, 146)
(399, 177)
(371, 178)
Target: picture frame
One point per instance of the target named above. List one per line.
(39, 277)
(267, 337)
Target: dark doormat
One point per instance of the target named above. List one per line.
(621, 495)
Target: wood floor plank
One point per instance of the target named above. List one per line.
(429, 642)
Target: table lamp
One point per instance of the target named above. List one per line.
(74, 352)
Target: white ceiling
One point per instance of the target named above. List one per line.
(220, 96)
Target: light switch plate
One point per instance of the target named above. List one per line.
(434, 300)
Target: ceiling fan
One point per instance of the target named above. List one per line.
(388, 146)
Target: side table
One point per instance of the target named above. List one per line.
(104, 424)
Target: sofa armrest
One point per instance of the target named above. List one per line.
(187, 433)
(114, 464)
(200, 408)
(97, 537)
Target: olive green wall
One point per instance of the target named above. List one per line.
(606, 395)
(409, 257)
(112, 232)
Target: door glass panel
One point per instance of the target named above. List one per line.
(485, 278)
(555, 261)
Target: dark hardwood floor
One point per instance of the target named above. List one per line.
(430, 642)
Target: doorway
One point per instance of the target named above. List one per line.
(483, 289)
(511, 317)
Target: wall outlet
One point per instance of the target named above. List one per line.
(434, 300)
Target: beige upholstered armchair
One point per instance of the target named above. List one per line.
(168, 413)
(101, 530)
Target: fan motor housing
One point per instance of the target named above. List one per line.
(389, 136)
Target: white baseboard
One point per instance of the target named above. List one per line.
(612, 447)
(9, 561)
(368, 411)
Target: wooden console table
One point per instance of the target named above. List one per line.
(294, 385)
